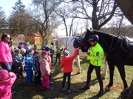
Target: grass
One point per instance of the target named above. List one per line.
(77, 81)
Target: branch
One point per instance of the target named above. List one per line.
(111, 15)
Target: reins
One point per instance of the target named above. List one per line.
(110, 45)
(123, 48)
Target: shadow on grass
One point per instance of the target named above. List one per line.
(36, 92)
(25, 91)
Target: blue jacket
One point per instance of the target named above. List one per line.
(28, 62)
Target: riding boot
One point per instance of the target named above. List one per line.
(87, 86)
(101, 92)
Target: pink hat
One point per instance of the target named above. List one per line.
(44, 53)
(4, 75)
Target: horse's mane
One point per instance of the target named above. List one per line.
(97, 31)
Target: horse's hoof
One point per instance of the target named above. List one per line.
(108, 88)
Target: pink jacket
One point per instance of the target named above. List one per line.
(5, 52)
(5, 87)
(49, 61)
(44, 66)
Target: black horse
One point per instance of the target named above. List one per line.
(118, 51)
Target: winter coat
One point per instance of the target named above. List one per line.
(5, 87)
(96, 55)
(67, 62)
(28, 62)
(5, 52)
(44, 66)
(36, 64)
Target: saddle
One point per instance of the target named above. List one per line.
(127, 45)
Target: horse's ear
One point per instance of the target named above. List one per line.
(88, 31)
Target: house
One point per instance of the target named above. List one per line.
(33, 38)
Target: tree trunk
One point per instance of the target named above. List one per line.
(130, 95)
(127, 93)
(127, 7)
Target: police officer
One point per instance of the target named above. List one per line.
(95, 57)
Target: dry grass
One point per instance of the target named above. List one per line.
(77, 81)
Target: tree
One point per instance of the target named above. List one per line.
(127, 7)
(43, 14)
(66, 12)
(20, 21)
(2, 18)
(19, 7)
(102, 11)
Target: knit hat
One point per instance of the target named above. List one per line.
(17, 50)
(4, 75)
(66, 53)
(44, 53)
(36, 52)
(23, 50)
(30, 50)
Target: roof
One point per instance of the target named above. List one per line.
(33, 34)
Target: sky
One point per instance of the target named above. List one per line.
(8, 4)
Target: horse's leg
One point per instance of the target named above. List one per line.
(104, 71)
(78, 64)
(111, 71)
(122, 74)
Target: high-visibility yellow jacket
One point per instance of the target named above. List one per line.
(96, 55)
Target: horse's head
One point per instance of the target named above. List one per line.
(105, 40)
(85, 45)
(88, 33)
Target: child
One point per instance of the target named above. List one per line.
(58, 54)
(45, 70)
(51, 52)
(50, 64)
(66, 64)
(18, 61)
(29, 66)
(36, 67)
(6, 82)
(35, 47)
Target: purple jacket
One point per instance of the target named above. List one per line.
(5, 52)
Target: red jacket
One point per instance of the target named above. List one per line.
(67, 62)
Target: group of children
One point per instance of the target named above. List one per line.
(42, 67)
(30, 60)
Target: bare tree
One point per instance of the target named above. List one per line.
(127, 8)
(43, 14)
(66, 11)
(2, 18)
(99, 12)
